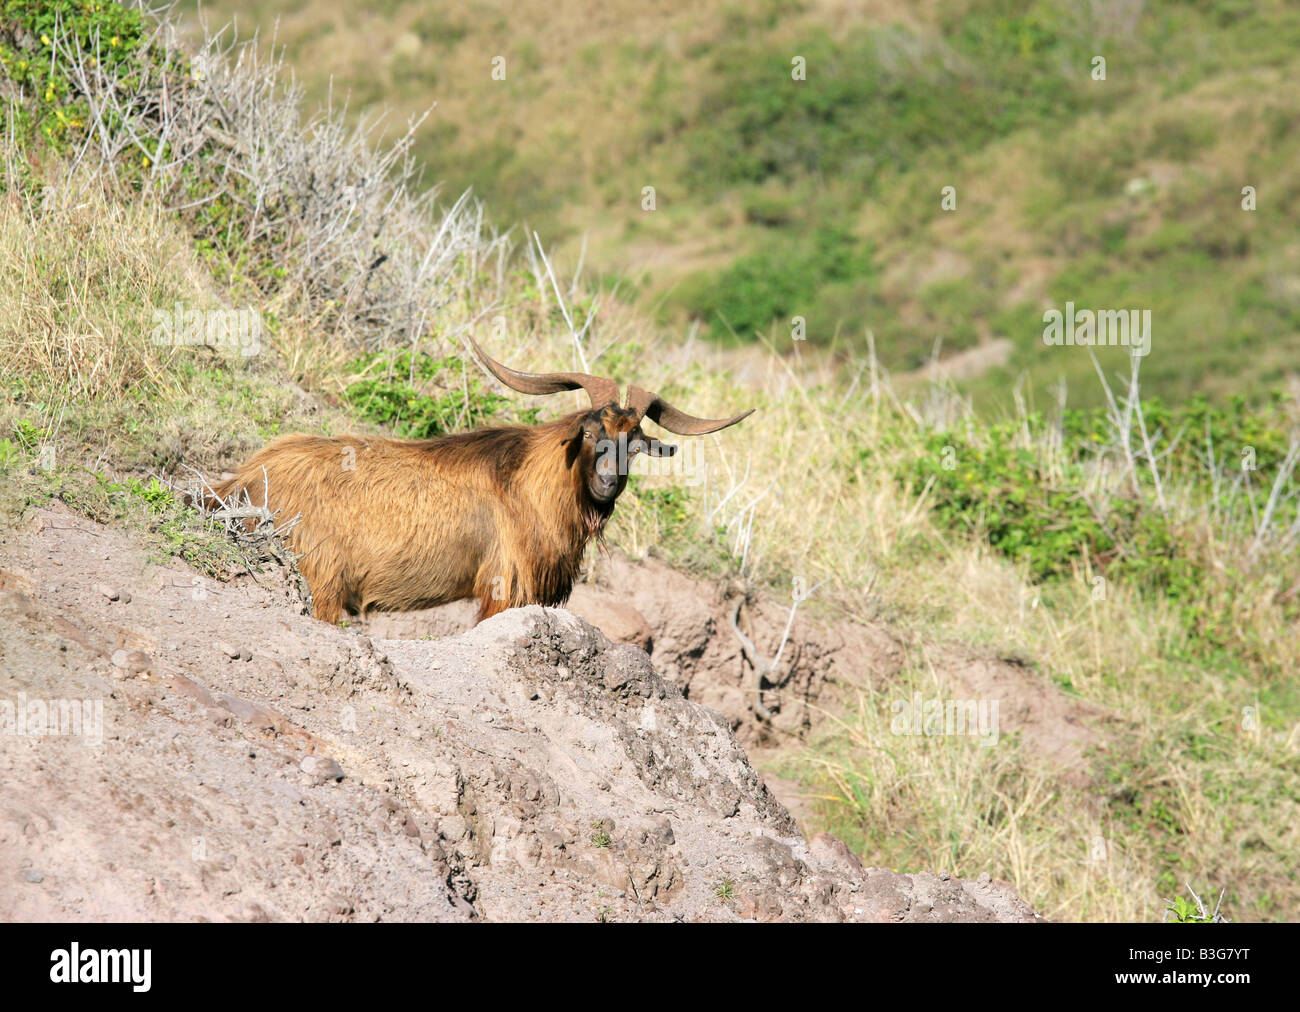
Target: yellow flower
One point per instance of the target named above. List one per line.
(46, 39)
(49, 93)
(145, 161)
(113, 41)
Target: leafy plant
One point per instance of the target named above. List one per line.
(1193, 912)
(419, 395)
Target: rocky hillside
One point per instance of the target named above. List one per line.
(256, 764)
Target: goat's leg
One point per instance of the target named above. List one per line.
(489, 606)
(327, 596)
(494, 592)
(327, 608)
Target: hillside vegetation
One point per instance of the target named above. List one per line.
(822, 197)
(1139, 555)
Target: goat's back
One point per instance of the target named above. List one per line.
(387, 523)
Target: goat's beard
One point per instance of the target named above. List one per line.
(594, 517)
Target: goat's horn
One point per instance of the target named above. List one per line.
(602, 391)
(652, 406)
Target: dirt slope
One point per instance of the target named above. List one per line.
(257, 764)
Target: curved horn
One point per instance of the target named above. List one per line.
(652, 406)
(602, 391)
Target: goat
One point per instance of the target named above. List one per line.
(502, 515)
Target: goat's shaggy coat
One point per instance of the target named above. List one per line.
(499, 515)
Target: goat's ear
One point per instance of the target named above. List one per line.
(572, 443)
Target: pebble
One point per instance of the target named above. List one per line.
(112, 593)
(133, 661)
(321, 767)
(31, 875)
(236, 653)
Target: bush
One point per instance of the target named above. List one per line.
(1032, 506)
(782, 279)
(398, 399)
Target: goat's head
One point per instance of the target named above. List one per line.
(603, 441)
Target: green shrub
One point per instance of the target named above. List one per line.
(782, 279)
(29, 32)
(393, 393)
(1031, 507)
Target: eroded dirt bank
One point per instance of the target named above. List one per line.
(256, 764)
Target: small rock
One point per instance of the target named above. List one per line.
(233, 652)
(132, 661)
(32, 875)
(339, 905)
(321, 767)
(112, 593)
(452, 828)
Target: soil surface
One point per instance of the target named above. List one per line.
(238, 760)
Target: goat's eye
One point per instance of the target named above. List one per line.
(588, 435)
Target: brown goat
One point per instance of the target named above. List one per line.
(502, 515)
